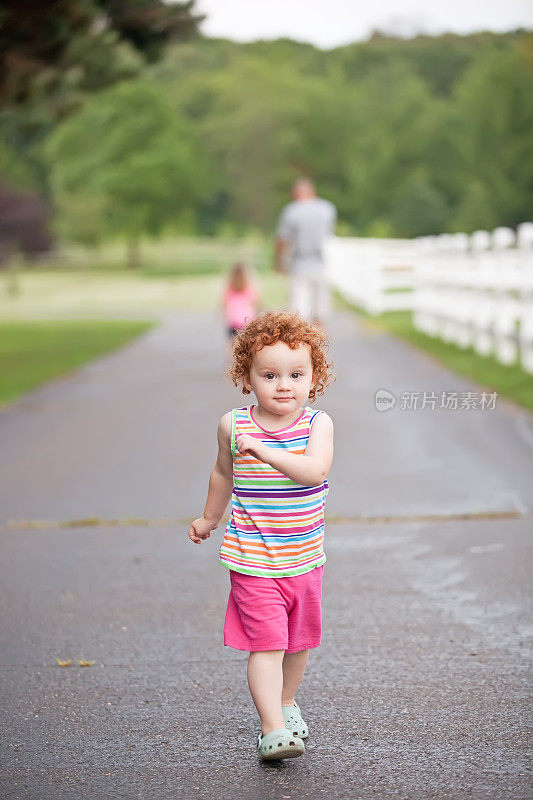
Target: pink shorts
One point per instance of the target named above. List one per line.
(274, 613)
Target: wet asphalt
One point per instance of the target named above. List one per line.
(421, 687)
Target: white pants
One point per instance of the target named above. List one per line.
(309, 295)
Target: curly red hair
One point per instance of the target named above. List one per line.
(281, 326)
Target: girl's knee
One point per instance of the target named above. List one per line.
(270, 654)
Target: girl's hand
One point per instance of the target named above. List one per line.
(200, 529)
(246, 444)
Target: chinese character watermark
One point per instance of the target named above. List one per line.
(449, 401)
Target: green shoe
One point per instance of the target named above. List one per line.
(294, 722)
(279, 744)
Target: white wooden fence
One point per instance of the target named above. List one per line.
(472, 290)
(375, 274)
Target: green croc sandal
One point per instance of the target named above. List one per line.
(279, 744)
(294, 722)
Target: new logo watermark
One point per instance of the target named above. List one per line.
(448, 401)
(384, 400)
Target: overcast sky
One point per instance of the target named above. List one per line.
(328, 23)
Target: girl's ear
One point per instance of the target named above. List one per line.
(246, 382)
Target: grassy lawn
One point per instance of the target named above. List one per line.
(34, 352)
(508, 381)
(166, 256)
(55, 294)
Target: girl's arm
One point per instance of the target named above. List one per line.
(220, 485)
(309, 469)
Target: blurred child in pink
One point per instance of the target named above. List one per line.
(240, 299)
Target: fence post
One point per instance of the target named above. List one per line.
(506, 303)
(483, 339)
(524, 240)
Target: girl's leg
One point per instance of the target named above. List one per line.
(265, 679)
(293, 667)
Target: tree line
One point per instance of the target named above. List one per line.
(406, 137)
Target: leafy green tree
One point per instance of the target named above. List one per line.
(439, 60)
(418, 208)
(404, 136)
(131, 160)
(382, 124)
(494, 108)
(245, 117)
(47, 38)
(374, 124)
(53, 54)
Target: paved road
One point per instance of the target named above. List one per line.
(420, 687)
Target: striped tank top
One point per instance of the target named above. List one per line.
(276, 527)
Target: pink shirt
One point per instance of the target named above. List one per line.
(240, 306)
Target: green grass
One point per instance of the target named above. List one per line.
(56, 294)
(34, 352)
(180, 256)
(508, 381)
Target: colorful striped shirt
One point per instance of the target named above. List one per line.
(276, 527)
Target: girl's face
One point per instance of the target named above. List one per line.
(281, 378)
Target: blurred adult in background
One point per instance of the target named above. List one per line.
(303, 227)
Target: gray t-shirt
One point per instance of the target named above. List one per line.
(306, 224)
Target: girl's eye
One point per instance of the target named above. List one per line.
(268, 374)
(296, 373)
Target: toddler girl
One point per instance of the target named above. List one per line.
(273, 461)
(239, 298)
